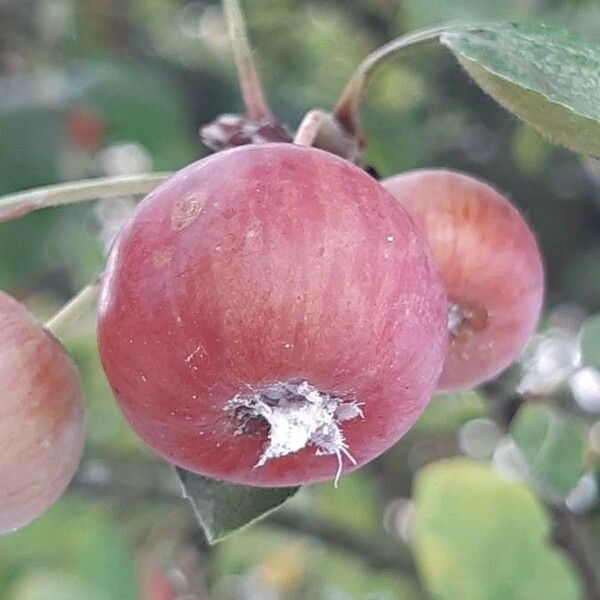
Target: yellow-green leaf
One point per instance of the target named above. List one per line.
(478, 536)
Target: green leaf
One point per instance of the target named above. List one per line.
(546, 76)
(478, 536)
(590, 342)
(554, 446)
(222, 508)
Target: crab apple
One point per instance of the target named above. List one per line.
(270, 315)
(490, 262)
(41, 417)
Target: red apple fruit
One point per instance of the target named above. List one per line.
(490, 262)
(41, 417)
(269, 313)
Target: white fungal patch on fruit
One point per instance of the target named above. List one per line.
(297, 415)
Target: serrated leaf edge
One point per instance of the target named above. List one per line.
(456, 32)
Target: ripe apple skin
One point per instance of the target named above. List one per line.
(265, 264)
(42, 427)
(490, 262)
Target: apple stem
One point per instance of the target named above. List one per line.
(250, 85)
(321, 130)
(309, 128)
(346, 110)
(74, 308)
(17, 205)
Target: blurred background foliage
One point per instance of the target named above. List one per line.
(493, 495)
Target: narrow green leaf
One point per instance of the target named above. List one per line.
(479, 536)
(590, 342)
(554, 446)
(222, 508)
(546, 76)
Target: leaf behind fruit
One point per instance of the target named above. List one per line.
(222, 508)
(546, 76)
(554, 446)
(590, 341)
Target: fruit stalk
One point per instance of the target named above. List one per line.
(250, 85)
(20, 204)
(322, 130)
(74, 308)
(309, 128)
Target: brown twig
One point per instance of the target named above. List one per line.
(380, 554)
(250, 85)
(377, 553)
(566, 536)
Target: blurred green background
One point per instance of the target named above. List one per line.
(493, 495)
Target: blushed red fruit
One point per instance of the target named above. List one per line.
(490, 262)
(257, 302)
(41, 417)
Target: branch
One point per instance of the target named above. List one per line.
(378, 553)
